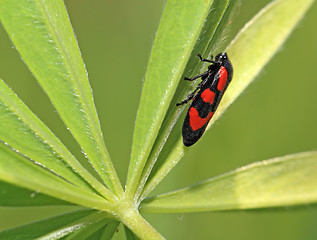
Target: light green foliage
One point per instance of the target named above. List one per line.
(36, 169)
(283, 181)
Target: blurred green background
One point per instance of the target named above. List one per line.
(275, 116)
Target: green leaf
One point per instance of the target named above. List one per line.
(18, 170)
(55, 227)
(285, 181)
(104, 230)
(43, 35)
(252, 48)
(93, 231)
(171, 128)
(130, 235)
(258, 42)
(110, 230)
(185, 30)
(13, 196)
(24, 132)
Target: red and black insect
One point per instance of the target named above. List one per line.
(205, 101)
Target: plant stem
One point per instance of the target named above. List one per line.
(129, 216)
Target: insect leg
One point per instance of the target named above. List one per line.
(193, 94)
(189, 97)
(205, 60)
(198, 76)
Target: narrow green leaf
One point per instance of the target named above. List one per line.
(103, 230)
(95, 229)
(169, 133)
(285, 181)
(43, 35)
(55, 227)
(182, 25)
(258, 42)
(24, 132)
(130, 235)
(96, 235)
(18, 170)
(110, 230)
(13, 196)
(252, 48)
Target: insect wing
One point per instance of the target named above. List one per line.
(200, 111)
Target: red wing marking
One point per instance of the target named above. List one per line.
(223, 75)
(195, 121)
(208, 96)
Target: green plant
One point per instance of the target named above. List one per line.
(43, 35)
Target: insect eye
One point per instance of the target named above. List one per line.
(222, 56)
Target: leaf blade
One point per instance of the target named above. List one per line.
(129, 234)
(18, 170)
(258, 42)
(246, 64)
(43, 35)
(110, 230)
(176, 40)
(93, 231)
(280, 182)
(24, 132)
(14, 196)
(55, 227)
